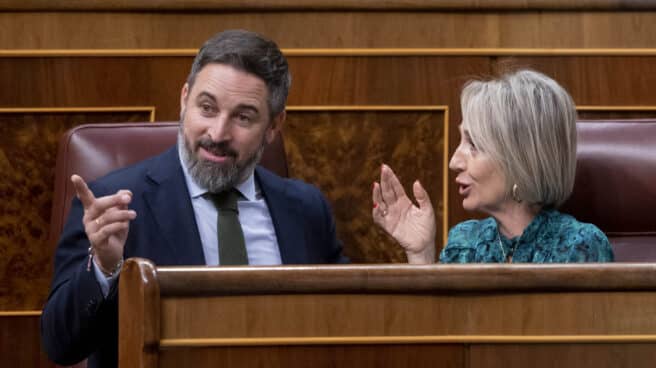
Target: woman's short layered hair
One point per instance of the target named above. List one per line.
(526, 122)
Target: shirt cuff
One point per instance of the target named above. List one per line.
(106, 283)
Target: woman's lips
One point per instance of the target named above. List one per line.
(464, 189)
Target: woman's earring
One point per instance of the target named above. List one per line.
(515, 194)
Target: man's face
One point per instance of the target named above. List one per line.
(225, 125)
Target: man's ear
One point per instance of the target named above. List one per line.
(184, 94)
(275, 126)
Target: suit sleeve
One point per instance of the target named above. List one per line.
(76, 314)
(333, 245)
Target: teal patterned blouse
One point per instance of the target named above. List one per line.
(552, 237)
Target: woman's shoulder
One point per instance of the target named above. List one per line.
(567, 225)
(466, 238)
(585, 241)
(472, 228)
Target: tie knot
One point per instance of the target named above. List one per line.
(226, 200)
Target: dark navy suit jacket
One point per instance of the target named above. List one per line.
(78, 322)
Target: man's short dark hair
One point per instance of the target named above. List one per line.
(252, 53)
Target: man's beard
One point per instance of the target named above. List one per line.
(210, 175)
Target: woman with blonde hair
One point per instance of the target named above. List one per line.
(516, 162)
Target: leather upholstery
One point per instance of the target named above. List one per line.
(615, 185)
(94, 150)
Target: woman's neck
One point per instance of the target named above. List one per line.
(515, 218)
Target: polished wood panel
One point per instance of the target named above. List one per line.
(393, 80)
(412, 80)
(188, 281)
(423, 315)
(373, 356)
(157, 81)
(20, 343)
(595, 80)
(620, 112)
(436, 300)
(98, 81)
(332, 29)
(139, 328)
(259, 316)
(471, 5)
(562, 355)
(28, 146)
(341, 152)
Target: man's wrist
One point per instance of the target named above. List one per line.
(109, 272)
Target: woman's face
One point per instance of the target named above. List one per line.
(481, 182)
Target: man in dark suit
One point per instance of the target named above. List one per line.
(203, 202)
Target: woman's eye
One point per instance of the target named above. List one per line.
(473, 147)
(471, 144)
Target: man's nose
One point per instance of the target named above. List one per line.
(220, 129)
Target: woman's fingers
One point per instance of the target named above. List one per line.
(421, 196)
(391, 187)
(397, 188)
(379, 208)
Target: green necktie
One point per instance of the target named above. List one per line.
(232, 247)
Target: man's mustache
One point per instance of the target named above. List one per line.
(217, 148)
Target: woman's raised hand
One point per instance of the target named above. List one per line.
(413, 227)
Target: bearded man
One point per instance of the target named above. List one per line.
(203, 202)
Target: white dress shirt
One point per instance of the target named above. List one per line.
(254, 216)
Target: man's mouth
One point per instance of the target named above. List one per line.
(219, 156)
(218, 152)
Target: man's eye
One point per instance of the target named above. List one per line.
(207, 108)
(244, 118)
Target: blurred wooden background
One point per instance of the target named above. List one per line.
(393, 68)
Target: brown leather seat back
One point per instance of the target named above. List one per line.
(615, 185)
(94, 150)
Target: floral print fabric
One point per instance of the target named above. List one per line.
(552, 237)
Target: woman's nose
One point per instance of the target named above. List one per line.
(457, 162)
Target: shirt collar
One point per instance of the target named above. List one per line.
(246, 188)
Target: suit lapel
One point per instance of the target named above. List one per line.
(170, 206)
(286, 216)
